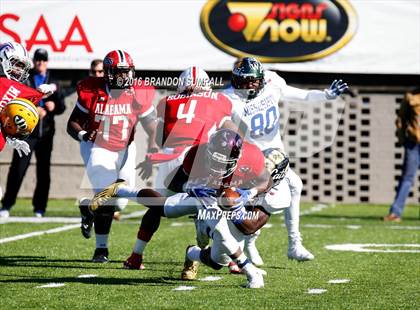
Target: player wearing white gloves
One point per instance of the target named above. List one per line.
(255, 95)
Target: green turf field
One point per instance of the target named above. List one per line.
(378, 280)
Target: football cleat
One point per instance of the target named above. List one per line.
(135, 261)
(101, 198)
(38, 214)
(254, 276)
(100, 255)
(234, 268)
(392, 218)
(4, 213)
(87, 218)
(190, 270)
(297, 251)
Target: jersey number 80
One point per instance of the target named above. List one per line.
(263, 123)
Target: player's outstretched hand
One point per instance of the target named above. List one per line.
(146, 169)
(336, 89)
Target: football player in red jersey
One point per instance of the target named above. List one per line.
(14, 67)
(206, 171)
(104, 120)
(185, 119)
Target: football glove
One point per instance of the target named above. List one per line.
(47, 89)
(246, 195)
(336, 89)
(19, 145)
(202, 192)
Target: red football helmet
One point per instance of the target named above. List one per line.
(119, 69)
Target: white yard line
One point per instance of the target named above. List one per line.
(87, 276)
(338, 281)
(405, 227)
(315, 208)
(370, 247)
(316, 291)
(63, 220)
(57, 229)
(184, 288)
(39, 233)
(20, 219)
(49, 285)
(210, 279)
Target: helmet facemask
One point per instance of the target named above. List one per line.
(223, 152)
(17, 68)
(247, 87)
(248, 77)
(120, 78)
(220, 165)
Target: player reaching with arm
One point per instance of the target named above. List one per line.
(255, 95)
(104, 120)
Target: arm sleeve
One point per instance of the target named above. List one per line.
(33, 95)
(82, 97)
(293, 93)
(297, 94)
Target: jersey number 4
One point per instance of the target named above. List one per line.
(190, 113)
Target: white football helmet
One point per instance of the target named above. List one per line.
(15, 61)
(194, 79)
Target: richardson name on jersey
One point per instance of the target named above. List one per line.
(113, 109)
(207, 94)
(10, 94)
(254, 107)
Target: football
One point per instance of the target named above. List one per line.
(227, 198)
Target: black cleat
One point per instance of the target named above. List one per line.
(87, 218)
(100, 255)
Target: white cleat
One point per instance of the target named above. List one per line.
(4, 213)
(298, 252)
(38, 214)
(254, 276)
